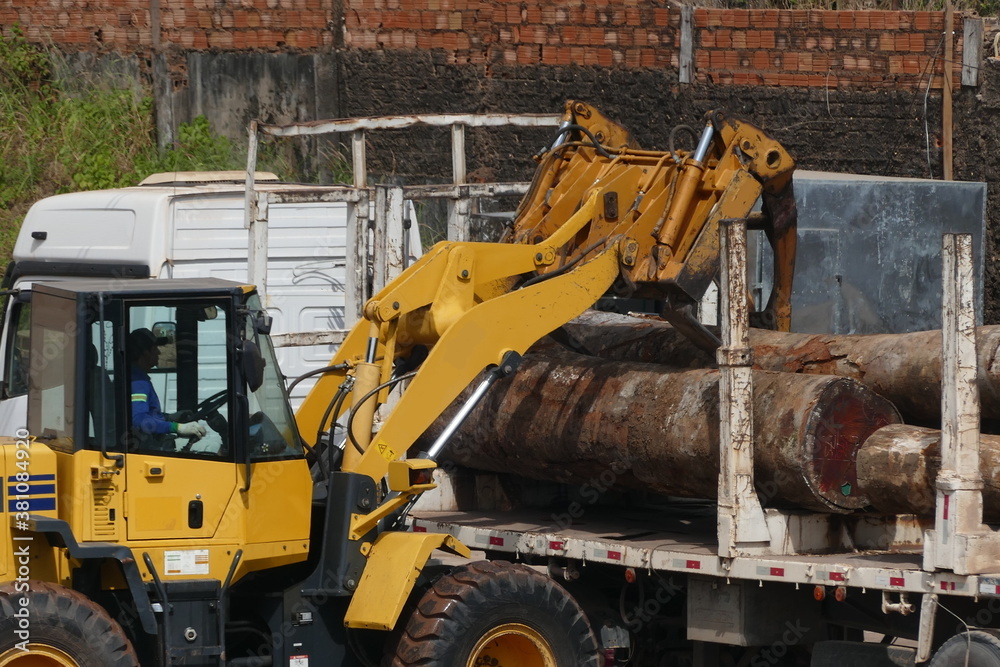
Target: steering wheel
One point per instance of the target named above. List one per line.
(210, 405)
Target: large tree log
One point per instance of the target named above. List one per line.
(898, 465)
(904, 368)
(572, 418)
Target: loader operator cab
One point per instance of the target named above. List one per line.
(201, 350)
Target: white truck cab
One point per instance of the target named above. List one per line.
(185, 225)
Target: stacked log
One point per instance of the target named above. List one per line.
(904, 368)
(641, 409)
(571, 418)
(898, 465)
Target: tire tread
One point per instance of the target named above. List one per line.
(438, 615)
(76, 615)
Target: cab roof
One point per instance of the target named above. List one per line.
(141, 288)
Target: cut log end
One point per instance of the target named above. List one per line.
(845, 416)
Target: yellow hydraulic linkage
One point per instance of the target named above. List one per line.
(600, 212)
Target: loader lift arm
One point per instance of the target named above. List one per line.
(600, 211)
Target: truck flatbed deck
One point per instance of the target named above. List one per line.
(686, 542)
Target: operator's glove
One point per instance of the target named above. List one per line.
(191, 430)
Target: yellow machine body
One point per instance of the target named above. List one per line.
(143, 499)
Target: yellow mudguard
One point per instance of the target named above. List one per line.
(395, 561)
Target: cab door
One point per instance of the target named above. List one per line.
(178, 488)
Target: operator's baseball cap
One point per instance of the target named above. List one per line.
(141, 340)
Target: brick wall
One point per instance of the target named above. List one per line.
(769, 47)
(823, 48)
(608, 33)
(133, 25)
(806, 48)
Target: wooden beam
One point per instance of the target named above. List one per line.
(946, 117)
(972, 51)
(685, 58)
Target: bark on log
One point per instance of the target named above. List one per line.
(898, 465)
(572, 418)
(904, 368)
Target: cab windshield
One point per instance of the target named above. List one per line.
(273, 434)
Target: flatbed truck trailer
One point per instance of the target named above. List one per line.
(819, 589)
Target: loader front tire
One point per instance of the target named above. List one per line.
(61, 628)
(495, 614)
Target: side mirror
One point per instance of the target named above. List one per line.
(262, 323)
(253, 364)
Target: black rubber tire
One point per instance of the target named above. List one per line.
(464, 606)
(63, 619)
(982, 646)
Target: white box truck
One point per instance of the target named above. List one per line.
(194, 224)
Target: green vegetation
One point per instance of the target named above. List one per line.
(100, 137)
(95, 136)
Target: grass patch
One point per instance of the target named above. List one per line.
(98, 137)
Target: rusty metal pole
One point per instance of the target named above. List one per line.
(741, 519)
(359, 159)
(255, 215)
(959, 507)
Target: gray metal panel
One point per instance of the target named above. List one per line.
(746, 613)
(869, 253)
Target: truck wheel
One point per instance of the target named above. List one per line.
(495, 614)
(63, 629)
(977, 648)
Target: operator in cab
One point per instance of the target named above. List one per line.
(151, 426)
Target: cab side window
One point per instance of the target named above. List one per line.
(100, 387)
(18, 346)
(177, 360)
(52, 399)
